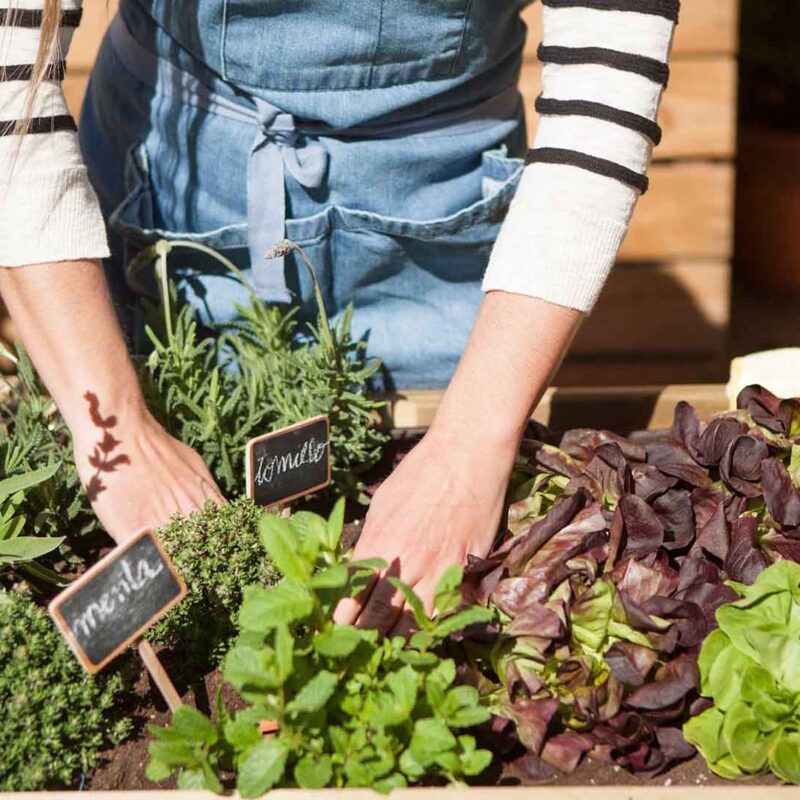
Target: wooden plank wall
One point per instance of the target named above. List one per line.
(665, 311)
(664, 314)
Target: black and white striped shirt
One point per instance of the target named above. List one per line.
(48, 210)
(605, 68)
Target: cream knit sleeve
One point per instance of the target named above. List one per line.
(48, 209)
(605, 68)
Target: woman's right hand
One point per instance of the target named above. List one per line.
(135, 474)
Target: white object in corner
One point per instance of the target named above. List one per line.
(776, 370)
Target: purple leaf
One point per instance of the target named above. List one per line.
(630, 663)
(697, 571)
(740, 466)
(745, 561)
(674, 510)
(565, 751)
(686, 429)
(782, 498)
(644, 533)
(763, 407)
(717, 436)
(710, 524)
(535, 620)
(687, 618)
(532, 718)
(650, 481)
(673, 683)
(642, 579)
(529, 769)
(518, 550)
(513, 596)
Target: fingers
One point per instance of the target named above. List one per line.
(405, 626)
(349, 608)
(384, 604)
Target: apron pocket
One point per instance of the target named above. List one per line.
(340, 44)
(415, 285)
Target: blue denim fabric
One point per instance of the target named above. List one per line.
(401, 226)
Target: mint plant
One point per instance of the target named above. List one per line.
(351, 709)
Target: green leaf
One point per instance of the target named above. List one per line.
(261, 767)
(784, 760)
(313, 771)
(431, 737)
(335, 577)
(447, 596)
(749, 746)
(174, 753)
(282, 546)
(335, 524)
(26, 548)
(311, 532)
(192, 779)
(462, 619)
(314, 695)
(242, 733)
(337, 641)
(194, 726)
(157, 771)
(705, 732)
(462, 707)
(19, 483)
(414, 603)
(284, 651)
(263, 609)
(473, 761)
(251, 669)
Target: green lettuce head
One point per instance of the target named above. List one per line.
(750, 668)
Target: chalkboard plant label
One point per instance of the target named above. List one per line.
(290, 462)
(117, 600)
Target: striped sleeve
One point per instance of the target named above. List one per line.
(605, 67)
(48, 209)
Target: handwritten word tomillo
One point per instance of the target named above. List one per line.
(270, 467)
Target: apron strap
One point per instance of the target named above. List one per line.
(278, 147)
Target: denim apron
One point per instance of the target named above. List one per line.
(384, 136)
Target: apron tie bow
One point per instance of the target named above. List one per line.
(279, 147)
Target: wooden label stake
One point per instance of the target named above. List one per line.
(159, 675)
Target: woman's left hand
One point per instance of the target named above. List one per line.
(445, 499)
(442, 503)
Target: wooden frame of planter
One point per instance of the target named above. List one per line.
(732, 792)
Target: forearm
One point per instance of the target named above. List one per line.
(514, 350)
(66, 321)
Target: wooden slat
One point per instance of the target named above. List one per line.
(698, 112)
(705, 27)
(672, 308)
(629, 790)
(688, 213)
(623, 408)
(640, 370)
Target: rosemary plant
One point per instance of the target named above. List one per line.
(257, 374)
